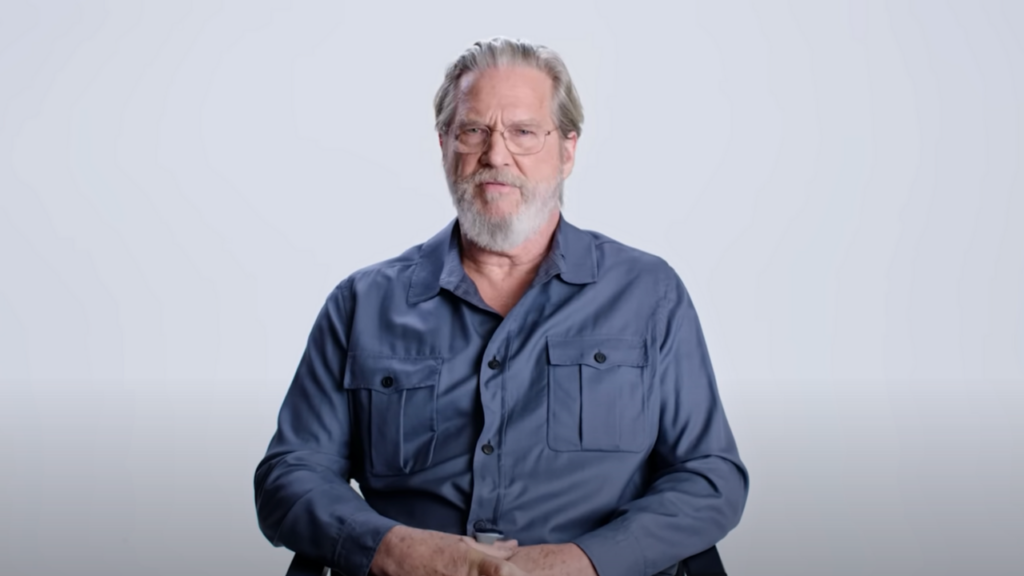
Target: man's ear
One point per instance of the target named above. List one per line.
(440, 140)
(569, 153)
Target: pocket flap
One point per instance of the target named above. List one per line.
(597, 352)
(390, 374)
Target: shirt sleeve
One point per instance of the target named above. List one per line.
(699, 484)
(303, 497)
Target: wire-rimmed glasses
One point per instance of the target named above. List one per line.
(520, 139)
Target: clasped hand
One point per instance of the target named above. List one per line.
(413, 552)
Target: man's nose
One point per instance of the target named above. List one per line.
(496, 153)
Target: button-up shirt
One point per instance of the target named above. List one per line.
(588, 414)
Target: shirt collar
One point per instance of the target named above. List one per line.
(573, 257)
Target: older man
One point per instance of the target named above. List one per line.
(513, 377)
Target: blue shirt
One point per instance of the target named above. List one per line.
(589, 414)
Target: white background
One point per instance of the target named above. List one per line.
(838, 183)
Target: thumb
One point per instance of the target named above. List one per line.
(510, 544)
(504, 551)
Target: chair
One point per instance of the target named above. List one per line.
(706, 563)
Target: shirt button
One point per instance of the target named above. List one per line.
(494, 364)
(600, 357)
(387, 382)
(480, 526)
(487, 449)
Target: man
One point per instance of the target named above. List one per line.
(513, 375)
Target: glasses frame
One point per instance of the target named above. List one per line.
(490, 134)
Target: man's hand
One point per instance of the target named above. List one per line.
(500, 549)
(553, 560)
(543, 559)
(405, 551)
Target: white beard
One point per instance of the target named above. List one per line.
(503, 233)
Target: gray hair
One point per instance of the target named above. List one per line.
(498, 52)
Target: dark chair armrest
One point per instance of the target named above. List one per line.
(303, 566)
(706, 563)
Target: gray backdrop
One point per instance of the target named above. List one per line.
(838, 183)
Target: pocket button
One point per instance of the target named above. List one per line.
(387, 382)
(600, 358)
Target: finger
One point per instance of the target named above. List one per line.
(496, 567)
(513, 543)
(506, 543)
(502, 552)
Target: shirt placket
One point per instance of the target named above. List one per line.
(495, 375)
(487, 457)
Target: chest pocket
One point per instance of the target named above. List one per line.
(596, 394)
(396, 404)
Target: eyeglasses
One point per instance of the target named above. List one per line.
(520, 140)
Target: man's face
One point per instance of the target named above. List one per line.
(503, 198)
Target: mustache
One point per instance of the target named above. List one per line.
(491, 175)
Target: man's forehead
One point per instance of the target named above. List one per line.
(519, 93)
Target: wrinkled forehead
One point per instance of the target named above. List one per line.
(511, 94)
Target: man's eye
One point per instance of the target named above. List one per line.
(472, 131)
(524, 132)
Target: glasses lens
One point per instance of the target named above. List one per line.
(523, 140)
(471, 139)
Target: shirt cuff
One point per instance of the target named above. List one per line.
(613, 551)
(359, 542)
